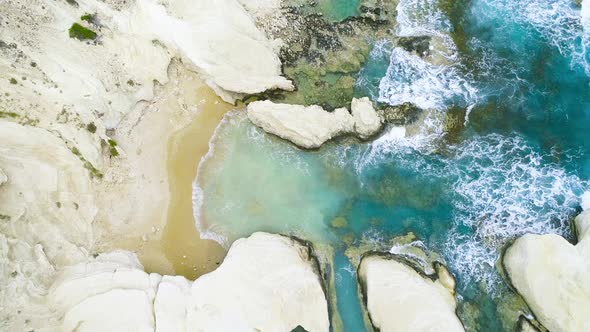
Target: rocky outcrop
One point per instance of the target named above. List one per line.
(323, 61)
(399, 298)
(400, 114)
(366, 120)
(526, 325)
(553, 276)
(311, 126)
(266, 283)
(308, 127)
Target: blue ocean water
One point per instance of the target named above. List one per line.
(519, 164)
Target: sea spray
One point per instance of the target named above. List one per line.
(412, 78)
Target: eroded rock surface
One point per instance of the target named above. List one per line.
(553, 276)
(266, 283)
(85, 121)
(310, 127)
(366, 120)
(399, 298)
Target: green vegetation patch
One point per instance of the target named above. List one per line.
(113, 148)
(88, 18)
(8, 115)
(81, 33)
(94, 173)
(13, 81)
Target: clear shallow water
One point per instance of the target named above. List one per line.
(520, 165)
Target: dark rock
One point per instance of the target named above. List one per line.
(399, 115)
(418, 44)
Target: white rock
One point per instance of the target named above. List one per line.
(266, 283)
(308, 127)
(553, 276)
(366, 120)
(400, 299)
(220, 39)
(586, 200)
(53, 212)
(171, 304)
(40, 226)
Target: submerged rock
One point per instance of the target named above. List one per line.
(266, 283)
(311, 126)
(553, 276)
(322, 57)
(399, 298)
(400, 114)
(435, 49)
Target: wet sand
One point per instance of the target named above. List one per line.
(189, 255)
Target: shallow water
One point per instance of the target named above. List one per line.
(520, 164)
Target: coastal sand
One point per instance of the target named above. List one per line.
(189, 254)
(165, 236)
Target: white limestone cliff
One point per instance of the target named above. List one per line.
(64, 101)
(398, 298)
(553, 276)
(266, 283)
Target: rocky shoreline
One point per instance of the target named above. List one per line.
(93, 91)
(553, 276)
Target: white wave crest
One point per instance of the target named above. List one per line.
(411, 79)
(198, 195)
(504, 189)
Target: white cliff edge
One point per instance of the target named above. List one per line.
(553, 276)
(267, 282)
(398, 298)
(311, 126)
(64, 102)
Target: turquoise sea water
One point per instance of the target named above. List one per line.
(520, 164)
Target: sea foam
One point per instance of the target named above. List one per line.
(504, 188)
(564, 25)
(410, 78)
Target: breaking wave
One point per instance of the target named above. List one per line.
(410, 78)
(500, 188)
(504, 188)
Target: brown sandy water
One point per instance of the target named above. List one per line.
(190, 255)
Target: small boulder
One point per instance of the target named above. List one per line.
(366, 120)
